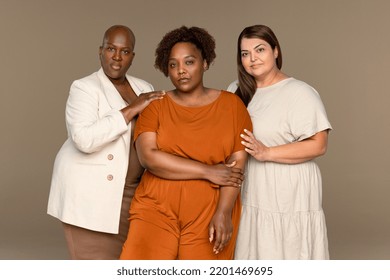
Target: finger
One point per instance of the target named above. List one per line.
(249, 151)
(211, 233)
(246, 143)
(235, 181)
(154, 96)
(217, 242)
(221, 244)
(237, 171)
(231, 164)
(159, 93)
(249, 133)
(245, 137)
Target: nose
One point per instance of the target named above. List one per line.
(252, 56)
(117, 56)
(181, 70)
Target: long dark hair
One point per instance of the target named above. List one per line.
(246, 83)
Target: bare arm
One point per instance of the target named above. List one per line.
(173, 167)
(221, 226)
(292, 153)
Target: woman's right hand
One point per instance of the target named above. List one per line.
(226, 175)
(144, 99)
(140, 103)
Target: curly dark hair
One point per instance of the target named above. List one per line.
(195, 35)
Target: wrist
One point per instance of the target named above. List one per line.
(268, 154)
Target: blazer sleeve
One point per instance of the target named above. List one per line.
(89, 129)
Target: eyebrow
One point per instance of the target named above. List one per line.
(188, 56)
(113, 45)
(261, 44)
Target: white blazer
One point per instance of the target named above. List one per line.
(90, 169)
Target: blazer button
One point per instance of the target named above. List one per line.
(110, 157)
(110, 177)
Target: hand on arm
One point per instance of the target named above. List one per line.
(221, 227)
(172, 167)
(139, 104)
(296, 152)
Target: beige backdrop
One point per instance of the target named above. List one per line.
(341, 47)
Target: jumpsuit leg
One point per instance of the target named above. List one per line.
(154, 230)
(147, 241)
(197, 209)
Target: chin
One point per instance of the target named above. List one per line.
(185, 89)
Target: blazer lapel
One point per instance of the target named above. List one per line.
(113, 97)
(138, 89)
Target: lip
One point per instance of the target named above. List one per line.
(116, 67)
(183, 80)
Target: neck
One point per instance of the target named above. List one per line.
(270, 79)
(194, 98)
(190, 94)
(119, 82)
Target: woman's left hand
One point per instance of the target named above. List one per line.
(220, 230)
(254, 147)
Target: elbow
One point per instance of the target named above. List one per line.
(147, 161)
(322, 150)
(144, 163)
(82, 145)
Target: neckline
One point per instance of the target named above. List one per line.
(196, 107)
(275, 84)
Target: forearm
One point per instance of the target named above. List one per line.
(228, 195)
(129, 113)
(300, 151)
(227, 199)
(173, 167)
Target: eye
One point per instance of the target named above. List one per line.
(125, 51)
(244, 54)
(189, 62)
(110, 49)
(259, 50)
(172, 65)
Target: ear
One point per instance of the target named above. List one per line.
(205, 65)
(100, 50)
(276, 53)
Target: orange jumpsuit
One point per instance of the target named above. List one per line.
(169, 219)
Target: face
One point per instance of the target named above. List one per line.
(186, 67)
(258, 58)
(116, 54)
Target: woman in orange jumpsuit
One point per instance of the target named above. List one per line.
(187, 205)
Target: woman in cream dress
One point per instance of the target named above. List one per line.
(282, 215)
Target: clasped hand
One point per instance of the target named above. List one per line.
(226, 175)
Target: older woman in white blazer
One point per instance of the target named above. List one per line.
(96, 170)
